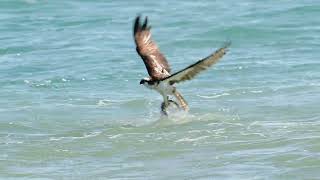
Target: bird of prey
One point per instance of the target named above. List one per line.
(158, 68)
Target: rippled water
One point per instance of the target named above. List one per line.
(71, 106)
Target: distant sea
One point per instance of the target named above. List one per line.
(71, 106)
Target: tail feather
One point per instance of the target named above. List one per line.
(182, 101)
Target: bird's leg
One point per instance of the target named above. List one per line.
(164, 109)
(175, 103)
(164, 105)
(181, 100)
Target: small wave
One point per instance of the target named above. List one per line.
(256, 92)
(45, 83)
(314, 84)
(191, 139)
(115, 136)
(105, 102)
(13, 142)
(128, 102)
(214, 96)
(251, 134)
(85, 135)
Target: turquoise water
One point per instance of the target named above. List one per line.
(71, 106)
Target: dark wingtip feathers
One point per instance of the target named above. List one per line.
(225, 48)
(139, 27)
(136, 24)
(145, 24)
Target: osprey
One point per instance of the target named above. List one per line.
(158, 68)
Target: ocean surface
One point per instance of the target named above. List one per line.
(71, 106)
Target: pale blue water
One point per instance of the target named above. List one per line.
(71, 106)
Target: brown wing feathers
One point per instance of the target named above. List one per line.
(155, 62)
(157, 65)
(194, 69)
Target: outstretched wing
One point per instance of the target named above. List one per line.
(155, 62)
(194, 69)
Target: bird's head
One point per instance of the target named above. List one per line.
(147, 82)
(143, 81)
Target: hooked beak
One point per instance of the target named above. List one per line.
(142, 81)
